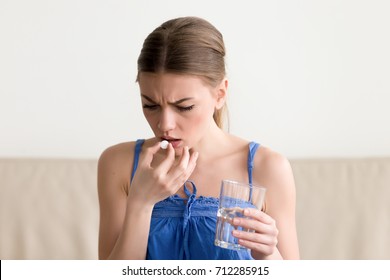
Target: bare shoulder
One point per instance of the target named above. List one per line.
(271, 164)
(119, 153)
(115, 164)
(273, 171)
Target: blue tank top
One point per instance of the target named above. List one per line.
(184, 229)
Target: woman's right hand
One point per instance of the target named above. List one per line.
(153, 184)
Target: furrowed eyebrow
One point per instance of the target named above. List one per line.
(181, 101)
(173, 103)
(148, 98)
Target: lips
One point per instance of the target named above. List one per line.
(174, 141)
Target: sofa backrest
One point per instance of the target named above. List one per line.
(49, 208)
(343, 209)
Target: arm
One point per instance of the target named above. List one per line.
(282, 202)
(125, 217)
(275, 231)
(115, 215)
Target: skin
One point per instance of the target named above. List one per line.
(179, 108)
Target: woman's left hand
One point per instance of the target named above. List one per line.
(263, 241)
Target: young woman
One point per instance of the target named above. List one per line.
(162, 204)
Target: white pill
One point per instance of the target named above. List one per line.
(164, 144)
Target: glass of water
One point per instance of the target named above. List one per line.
(234, 198)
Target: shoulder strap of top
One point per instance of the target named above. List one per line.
(253, 146)
(137, 152)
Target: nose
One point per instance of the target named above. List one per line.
(167, 121)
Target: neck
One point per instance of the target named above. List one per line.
(212, 145)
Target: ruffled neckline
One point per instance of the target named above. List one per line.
(200, 199)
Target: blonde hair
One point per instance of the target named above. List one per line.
(186, 45)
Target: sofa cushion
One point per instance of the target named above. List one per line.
(343, 209)
(48, 209)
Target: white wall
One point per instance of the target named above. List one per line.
(307, 78)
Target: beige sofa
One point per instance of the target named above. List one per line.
(49, 208)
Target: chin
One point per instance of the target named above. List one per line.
(178, 152)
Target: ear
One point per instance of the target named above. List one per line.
(221, 93)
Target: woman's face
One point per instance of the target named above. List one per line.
(179, 108)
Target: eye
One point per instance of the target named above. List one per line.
(150, 107)
(183, 109)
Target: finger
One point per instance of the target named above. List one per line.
(169, 160)
(178, 169)
(149, 154)
(260, 243)
(257, 221)
(264, 249)
(187, 173)
(265, 239)
(192, 163)
(180, 173)
(255, 225)
(258, 215)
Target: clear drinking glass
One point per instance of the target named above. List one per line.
(234, 198)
